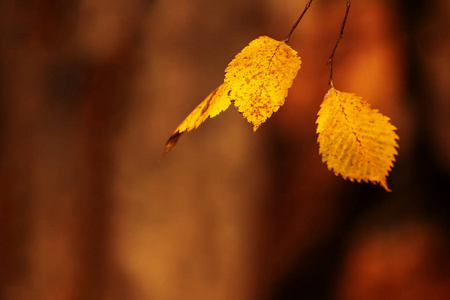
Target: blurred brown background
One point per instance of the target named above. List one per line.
(90, 90)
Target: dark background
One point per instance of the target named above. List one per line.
(90, 90)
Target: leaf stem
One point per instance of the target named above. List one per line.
(331, 58)
(286, 40)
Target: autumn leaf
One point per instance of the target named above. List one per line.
(355, 141)
(215, 103)
(256, 80)
(259, 78)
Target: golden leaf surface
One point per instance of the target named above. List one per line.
(355, 141)
(215, 103)
(256, 80)
(259, 78)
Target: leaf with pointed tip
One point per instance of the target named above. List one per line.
(215, 103)
(259, 78)
(355, 141)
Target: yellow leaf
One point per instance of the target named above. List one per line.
(259, 77)
(355, 140)
(256, 80)
(215, 103)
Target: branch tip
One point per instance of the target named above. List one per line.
(288, 37)
(341, 33)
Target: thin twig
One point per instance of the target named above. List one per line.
(286, 40)
(330, 60)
